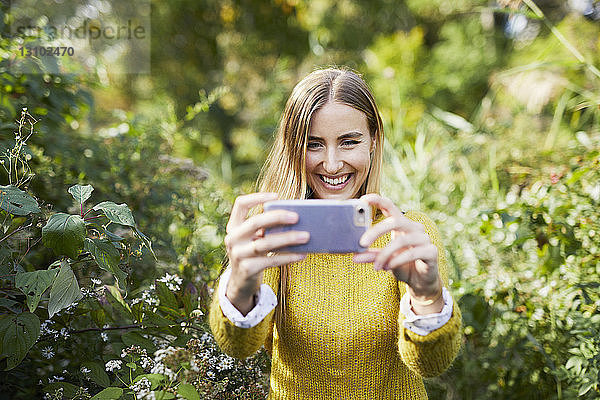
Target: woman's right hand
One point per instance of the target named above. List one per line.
(247, 247)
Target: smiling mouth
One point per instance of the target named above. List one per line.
(335, 181)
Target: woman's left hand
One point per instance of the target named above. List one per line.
(410, 255)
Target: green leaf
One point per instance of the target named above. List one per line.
(113, 237)
(18, 333)
(81, 193)
(17, 202)
(34, 284)
(97, 373)
(107, 257)
(65, 290)
(585, 388)
(10, 304)
(166, 296)
(117, 300)
(131, 365)
(64, 234)
(110, 393)
(117, 213)
(187, 391)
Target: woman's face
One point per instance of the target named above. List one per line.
(338, 152)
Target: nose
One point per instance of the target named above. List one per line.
(332, 164)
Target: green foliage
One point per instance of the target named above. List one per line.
(34, 284)
(18, 333)
(64, 234)
(495, 137)
(17, 202)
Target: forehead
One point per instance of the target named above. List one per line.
(335, 118)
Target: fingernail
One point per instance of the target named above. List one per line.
(291, 217)
(302, 235)
(363, 242)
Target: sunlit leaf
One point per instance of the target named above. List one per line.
(64, 234)
(81, 193)
(117, 213)
(17, 202)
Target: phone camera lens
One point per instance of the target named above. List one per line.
(361, 211)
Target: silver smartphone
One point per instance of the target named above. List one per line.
(335, 226)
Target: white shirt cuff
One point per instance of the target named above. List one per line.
(266, 302)
(424, 324)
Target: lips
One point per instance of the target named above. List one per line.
(335, 182)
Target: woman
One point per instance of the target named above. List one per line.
(337, 326)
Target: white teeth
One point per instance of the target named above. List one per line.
(335, 181)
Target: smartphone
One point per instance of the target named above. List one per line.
(335, 226)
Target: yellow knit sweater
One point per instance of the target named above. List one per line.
(342, 336)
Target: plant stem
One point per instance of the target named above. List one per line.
(561, 38)
(15, 231)
(133, 326)
(29, 248)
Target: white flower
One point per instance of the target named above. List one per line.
(225, 362)
(148, 298)
(160, 368)
(47, 352)
(45, 328)
(85, 370)
(65, 333)
(160, 355)
(96, 281)
(141, 388)
(172, 281)
(113, 364)
(146, 362)
(104, 336)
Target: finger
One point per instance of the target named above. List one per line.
(253, 266)
(383, 203)
(243, 204)
(427, 253)
(249, 228)
(400, 223)
(365, 257)
(398, 244)
(273, 242)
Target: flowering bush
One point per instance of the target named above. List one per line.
(78, 328)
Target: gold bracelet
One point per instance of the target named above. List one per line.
(427, 302)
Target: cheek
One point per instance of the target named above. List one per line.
(360, 161)
(311, 163)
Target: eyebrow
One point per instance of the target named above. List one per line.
(348, 135)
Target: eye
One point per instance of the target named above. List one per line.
(350, 142)
(313, 145)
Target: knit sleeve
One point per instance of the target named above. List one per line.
(242, 342)
(432, 354)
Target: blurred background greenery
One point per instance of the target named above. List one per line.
(492, 122)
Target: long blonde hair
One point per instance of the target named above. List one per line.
(284, 171)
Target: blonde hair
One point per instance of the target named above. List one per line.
(284, 171)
